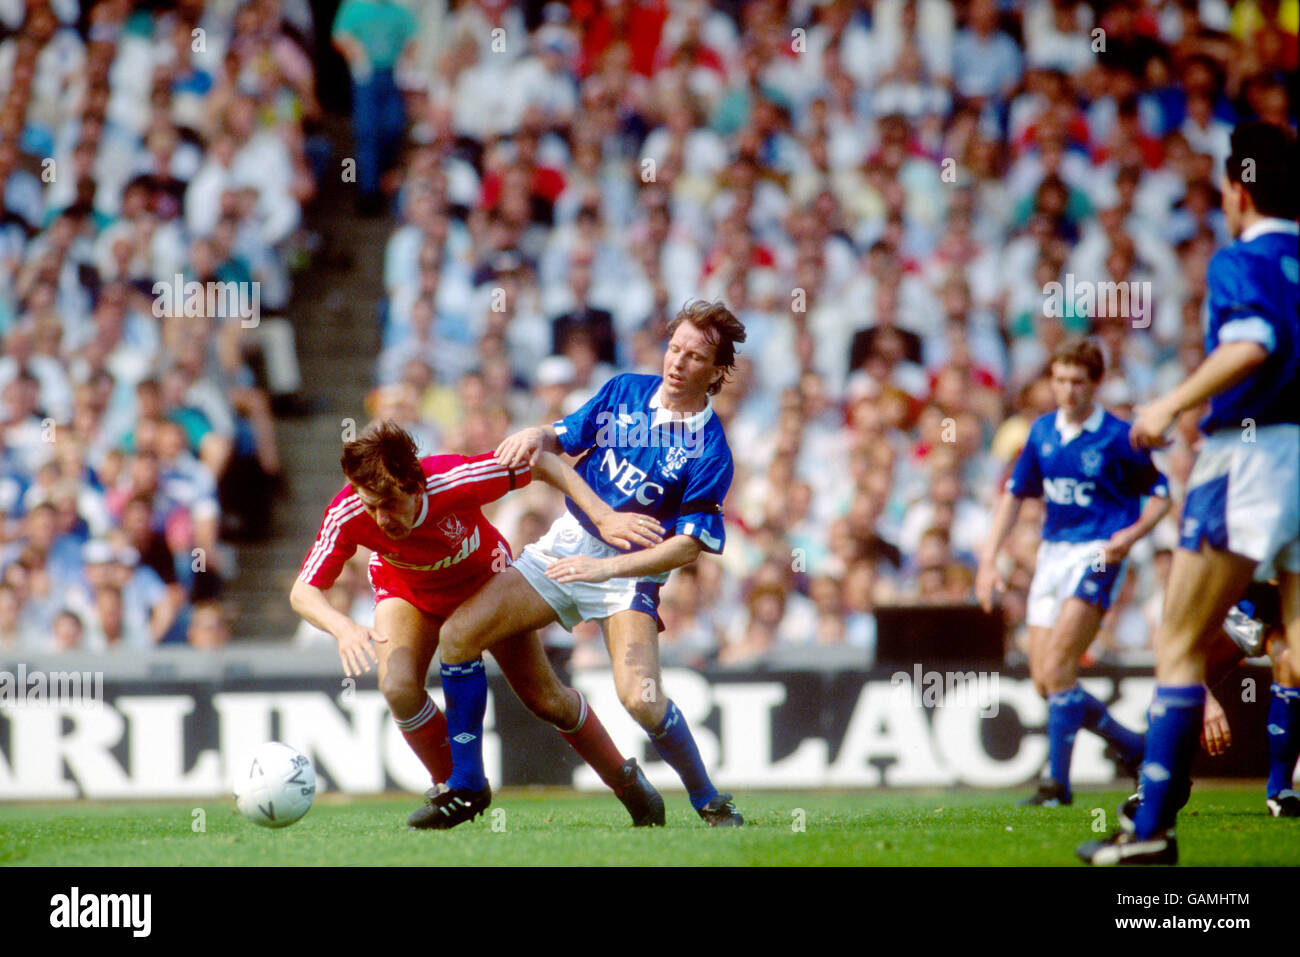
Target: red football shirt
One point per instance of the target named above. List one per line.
(451, 543)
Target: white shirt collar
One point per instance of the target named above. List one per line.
(693, 422)
(1068, 430)
(424, 510)
(1270, 224)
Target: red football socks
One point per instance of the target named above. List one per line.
(426, 733)
(594, 745)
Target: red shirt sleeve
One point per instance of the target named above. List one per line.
(333, 546)
(459, 481)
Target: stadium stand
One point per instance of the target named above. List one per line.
(154, 165)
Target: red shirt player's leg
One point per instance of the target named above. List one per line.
(425, 731)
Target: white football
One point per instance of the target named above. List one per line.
(275, 786)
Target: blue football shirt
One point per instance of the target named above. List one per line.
(1091, 479)
(643, 460)
(1252, 293)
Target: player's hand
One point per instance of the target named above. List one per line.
(626, 529)
(1150, 425)
(520, 448)
(1117, 548)
(1216, 736)
(988, 582)
(357, 649)
(579, 568)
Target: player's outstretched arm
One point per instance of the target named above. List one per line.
(677, 551)
(1119, 544)
(988, 579)
(525, 445)
(620, 529)
(356, 643)
(1223, 368)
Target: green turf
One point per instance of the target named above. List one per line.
(1222, 826)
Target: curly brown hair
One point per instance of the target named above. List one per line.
(383, 459)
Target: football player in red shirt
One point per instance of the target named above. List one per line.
(432, 548)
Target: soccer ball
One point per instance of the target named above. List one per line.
(275, 786)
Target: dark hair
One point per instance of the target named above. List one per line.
(720, 328)
(1080, 352)
(383, 459)
(1264, 161)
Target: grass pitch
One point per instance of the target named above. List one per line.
(1224, 825)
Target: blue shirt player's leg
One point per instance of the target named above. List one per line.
(633, 640)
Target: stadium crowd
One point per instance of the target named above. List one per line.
(142, 149)
(882, 191)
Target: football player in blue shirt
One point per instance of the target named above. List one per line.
(647, 444)
(1079, 460)
(1241, 518)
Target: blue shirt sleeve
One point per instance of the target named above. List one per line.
(1027, 477)
(1239, 308)
(577, 431)
(707, 481)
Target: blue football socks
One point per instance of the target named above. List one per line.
(465, 688)
(1065, 712)
(1173, 730)
(1283, 738)
(673, 740)
(1098, 720)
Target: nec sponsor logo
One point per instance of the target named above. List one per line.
(627, 478)
(1068, 491)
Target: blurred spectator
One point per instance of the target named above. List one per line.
(68, 632)
(372, 36)
(210, 628)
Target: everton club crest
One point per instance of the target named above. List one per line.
(674, 458)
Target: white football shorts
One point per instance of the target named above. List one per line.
(1071, 570)
(1244, 497)
(584, 601)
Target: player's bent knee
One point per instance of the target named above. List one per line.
(404, 694)
(648, 714)
(1058, 677)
